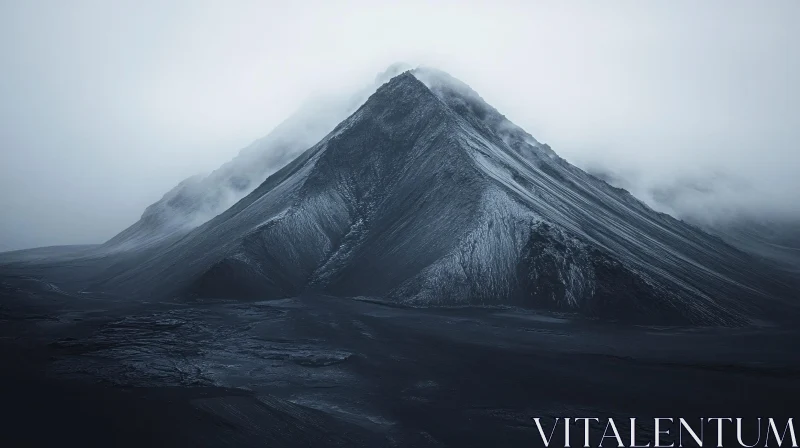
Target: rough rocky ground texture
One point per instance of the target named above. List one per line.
(326, 371)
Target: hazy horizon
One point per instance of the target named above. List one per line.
(108, 106)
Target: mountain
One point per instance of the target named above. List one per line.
(426, 195)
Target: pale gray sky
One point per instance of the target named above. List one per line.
(107, 105)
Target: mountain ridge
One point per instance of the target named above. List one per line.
(427, 195)
(199, 198)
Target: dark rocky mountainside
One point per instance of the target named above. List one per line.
(426, 195)
(773, 237)
(774, 240)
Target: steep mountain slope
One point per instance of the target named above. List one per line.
(774, 238)
(426, 195)
(200, 198)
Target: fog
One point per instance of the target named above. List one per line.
(106, 106)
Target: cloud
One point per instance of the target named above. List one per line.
(108, 105)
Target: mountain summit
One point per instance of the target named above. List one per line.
(426, 195)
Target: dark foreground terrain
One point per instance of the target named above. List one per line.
(86, 370)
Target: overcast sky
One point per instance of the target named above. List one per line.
(108, 104)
